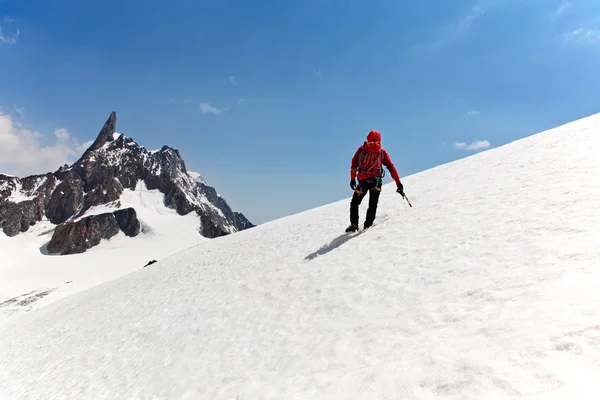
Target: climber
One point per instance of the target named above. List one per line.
(368, 162)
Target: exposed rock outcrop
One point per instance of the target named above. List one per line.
(78, 236)
(66, 199)
(17, 218)
(128, 221)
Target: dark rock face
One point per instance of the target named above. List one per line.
(77, 237)
(211, 226)
(17, 218)
(241, 221)
(104, 193)
(128, 221)
(66, 199)
(105, 135)
(112, 164)
(22, 201)
(7, 185)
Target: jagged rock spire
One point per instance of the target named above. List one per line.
(105, 135)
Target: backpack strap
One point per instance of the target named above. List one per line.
(379, 162)
(381, 170)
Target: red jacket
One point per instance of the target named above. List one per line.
(373, 149)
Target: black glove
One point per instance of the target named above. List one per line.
(400, 188)
(353, 184)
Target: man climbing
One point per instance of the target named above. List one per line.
(368, 161)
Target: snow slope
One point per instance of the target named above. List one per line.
(30, 279)
(486, 289)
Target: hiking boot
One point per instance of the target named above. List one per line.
(352, 228)
(367, 225)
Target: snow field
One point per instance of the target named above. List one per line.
(24, 268)
(486, 289)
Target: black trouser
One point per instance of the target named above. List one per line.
(373, 186)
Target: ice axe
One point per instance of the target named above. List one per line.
(405, 198)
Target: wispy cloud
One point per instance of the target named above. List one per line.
(583, 35)
(207, 108)
(475, 146)
(562, 8)
(22, 152)
(10, 38)
(317, 72)
(464, 25)
(240, 102)
(473, 113)
(459, 28)
(231, 80)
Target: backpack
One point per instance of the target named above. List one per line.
(371, 163)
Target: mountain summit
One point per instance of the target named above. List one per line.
(84, 200)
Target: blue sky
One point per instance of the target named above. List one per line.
(269, 100)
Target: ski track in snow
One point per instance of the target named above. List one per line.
(486, 289)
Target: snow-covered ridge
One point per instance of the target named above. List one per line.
(113, 154)
(486, 289)
(197, 177)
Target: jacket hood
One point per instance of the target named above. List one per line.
(374, 136)
(372, 147)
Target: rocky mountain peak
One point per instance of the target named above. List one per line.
(106, 134)
(109, 166)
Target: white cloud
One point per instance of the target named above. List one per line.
(473, 113)
(80, 148)
(8, 39)
(231, 80)
(479, 145)
(207, 108)
(317, 72)
(240, 102)
(62, 135)
(20, 111)
(475, 146)
(23, 153)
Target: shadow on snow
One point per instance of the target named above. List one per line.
(334, 244)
